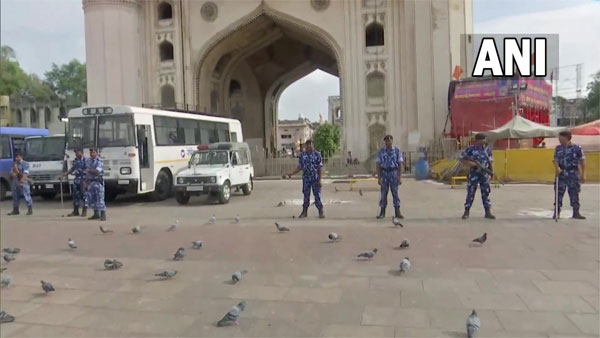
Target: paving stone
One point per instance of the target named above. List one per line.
(507, 286)
(591, 277)
(512, 274)
(429, 300)
(455, 319)
(593, 300)
(316, 295)
(389, 298)
(12, 329)
(563, 303)
(450, 285)
(396, 283)
(566, 287)
(357, 331)
(554, 322)
(53, 314)
(388, 316)
(490, 301)
(587, 323)
(258, 292)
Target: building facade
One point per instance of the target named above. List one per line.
(234, 58)
(291, 134)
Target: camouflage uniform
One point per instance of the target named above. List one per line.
(389, 161)
(95, 184)
(22, 191)
(482, 155)
(569, 158)
(310, 164)
(79, 195)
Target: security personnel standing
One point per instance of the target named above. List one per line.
(78, 169)
(310, 162)
(474, 156)
(20, 185)
(94, 177)
(389, 173)
(568, 161)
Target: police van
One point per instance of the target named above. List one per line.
(216, 169)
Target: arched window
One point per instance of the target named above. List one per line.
(33, 118)
(374, 35)
(165, 11)
(235, 88)
(19, 116)
(375, 85)
(166, 51)
(47, 115)
(167, 96)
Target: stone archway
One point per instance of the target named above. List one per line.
(263, 52)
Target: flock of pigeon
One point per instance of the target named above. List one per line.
(232, 316)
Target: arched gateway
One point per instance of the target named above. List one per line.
(234, 58)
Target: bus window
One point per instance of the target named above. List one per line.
(222, 132)
(82, 132)
(165, 129)
(5, 151)
(17, 142)
(115, 131)
(188, 128)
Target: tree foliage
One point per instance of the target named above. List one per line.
(12, 77)
(326, 139)
(68, 79)
(591, 104)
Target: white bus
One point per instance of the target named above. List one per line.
(143, 148)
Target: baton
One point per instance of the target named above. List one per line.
(62, 203)
(556, 214)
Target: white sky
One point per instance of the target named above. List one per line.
(43, 32)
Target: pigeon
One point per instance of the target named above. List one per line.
(481, 239)
(112, 264)
(404, 265)
(104, 231)
(396, 222)
(473, 324)
(237, 276)
(360, 192)
(404, 244)
(173, 226)
(281, 203)
(212, 219)
(12, 251)
(197, 244)
(368, 255)
(179, 254)
(336, 189)
(47, 287)
(333, 237)
(5, 281)
(71, 244)
(237, 219)
(5, 317)
(232, 316)
(8, 258)
(2, 269)
(281, 227)
(167, 274)
(137, 229)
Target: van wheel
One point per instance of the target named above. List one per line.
(162, 188)
(48, 196)
(182, 197)
(247, 188)
(225, 193)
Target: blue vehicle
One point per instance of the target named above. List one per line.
(11, 141)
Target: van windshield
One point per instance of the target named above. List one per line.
(210, 157)
(44, 149)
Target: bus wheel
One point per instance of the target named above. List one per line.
(225, 193)
(48, 196)
(182, 197)
(247, 188)
(162, 188)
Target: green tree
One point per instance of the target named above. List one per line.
(327, 139)
(591, 104)
(68, 79)
(12, 77)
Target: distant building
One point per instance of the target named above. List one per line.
(25, 112)
(335, 110)
(291, 134)
(4, 110)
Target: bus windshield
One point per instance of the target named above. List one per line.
(211, 157)
(44, 149)
(115, 131)
(82, 132)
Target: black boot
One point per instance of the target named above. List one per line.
(488, 214)
(84, 212)
(29, 210)
(466, 214)
(381, 213)
(74, 213)
(576, 214)
(304, 212)
(397, 213)
(95, 216)
(103, 215)
(321, 213)
(14, 212)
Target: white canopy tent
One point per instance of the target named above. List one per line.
(521, 128)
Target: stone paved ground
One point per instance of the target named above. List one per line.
(533, 277)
